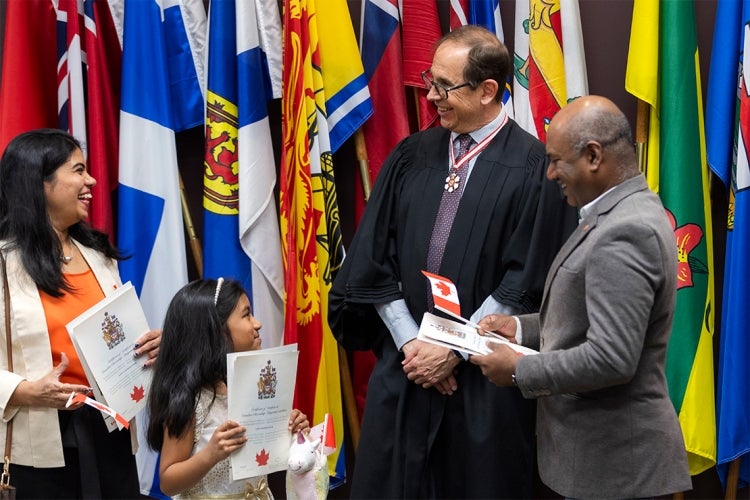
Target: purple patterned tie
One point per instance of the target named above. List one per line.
(447, 211)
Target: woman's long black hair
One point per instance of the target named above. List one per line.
(192, 355)
(29, 160)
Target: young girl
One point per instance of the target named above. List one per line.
(188, 402)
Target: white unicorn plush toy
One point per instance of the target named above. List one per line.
(307, 467)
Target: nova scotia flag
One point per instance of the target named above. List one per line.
(241, 231)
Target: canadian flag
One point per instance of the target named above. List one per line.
(444, 294)
(325, 432)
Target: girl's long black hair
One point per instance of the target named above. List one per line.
(192, 355)
(29, 160)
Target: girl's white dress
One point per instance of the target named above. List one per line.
(218, 482)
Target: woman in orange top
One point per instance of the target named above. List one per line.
(58, 267)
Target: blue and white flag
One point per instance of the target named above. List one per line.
(487, 13)
(161, 95)
(241, 233)
(728, 152)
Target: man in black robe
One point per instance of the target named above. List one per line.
(433, 425)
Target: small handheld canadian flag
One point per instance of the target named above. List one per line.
(325, 432)
(76, 397)
(444, 294)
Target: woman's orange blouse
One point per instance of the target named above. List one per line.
(59, 311)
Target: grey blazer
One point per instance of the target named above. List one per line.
(605, 424)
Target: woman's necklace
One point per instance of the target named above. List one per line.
(65, 259)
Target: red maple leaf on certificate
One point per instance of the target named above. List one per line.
(137, 393)
(262, 457)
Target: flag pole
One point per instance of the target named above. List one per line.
(364, 169)
(416, 107)
(195, 243)
(732, 479)
(348, 393)
(641, 134)
(350, 405)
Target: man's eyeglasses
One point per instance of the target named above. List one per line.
(441, 89)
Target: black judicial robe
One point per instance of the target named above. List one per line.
(477, 443)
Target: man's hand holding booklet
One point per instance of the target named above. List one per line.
(464, 336)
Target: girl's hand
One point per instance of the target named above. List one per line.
(147, 346)
(226, 439)
(298, 422)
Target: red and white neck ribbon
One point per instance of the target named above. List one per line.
(76, 397)
(474, 152)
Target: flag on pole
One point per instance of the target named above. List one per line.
(241, 236)
(380, 47)
(71, 71)
(549, 63)
(156, 43)
(486, 13)
(444, 293)
(259, 63)
(459, 14)
(322, 76)
(420, 30)
(88, 91)
(727, 145)
(347, 97)
(28, 88)
(663, 43)
(104, 58)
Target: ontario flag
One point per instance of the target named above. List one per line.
(28, 89)
(727, 147)
(380, 48)
(61, 60)
(663, 71)
(549, 66)
(104, 69)
(459, 14)
(324, 91)
(88, 81)
(241, 236)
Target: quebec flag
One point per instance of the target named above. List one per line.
(161, 95)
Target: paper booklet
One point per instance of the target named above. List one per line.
(463, 336)
(260, 388)
(104, 337)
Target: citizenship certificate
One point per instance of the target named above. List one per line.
(260, 388)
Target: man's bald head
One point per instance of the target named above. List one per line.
(590, 148)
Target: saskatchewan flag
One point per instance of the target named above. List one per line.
(663, 70)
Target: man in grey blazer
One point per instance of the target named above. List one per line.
(605, 424)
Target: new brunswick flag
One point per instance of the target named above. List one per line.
(663, 70)
(549, 66)
(324, 100)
